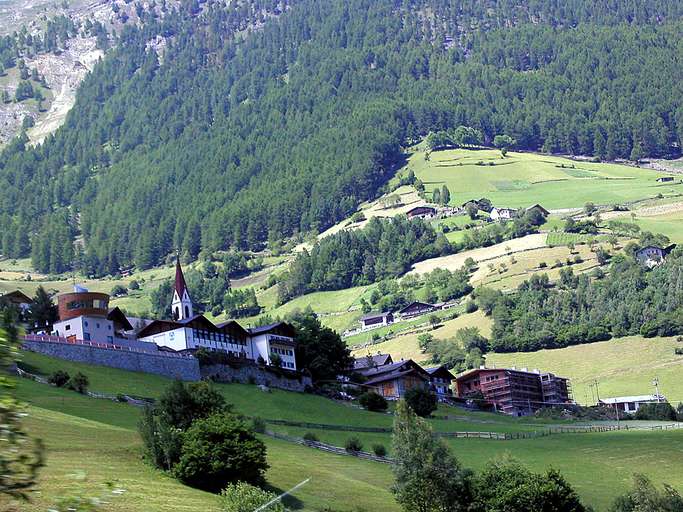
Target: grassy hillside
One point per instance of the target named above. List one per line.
(522, 179)
(406, 346)
(623, 366)
(98, 438)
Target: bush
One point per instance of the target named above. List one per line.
(59, 378)
(161, 426)
(542, 264)
(118, 291)
(134, 285)
(310, 436)
(121, 398)
(353, 445)
(373, 402)
(219, 450)
(471, 306)
(678, 351)
(242, 497)
(379, 450)
(421, 401)
(79, 383)
(656, 411)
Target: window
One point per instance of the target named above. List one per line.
(110, 339)
(98, 325)
(86, 336)
(67, 327)
(85, 322)
(109, 327)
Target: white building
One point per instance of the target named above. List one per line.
(631, 404)
(652, 255)
(503, 213)
(191, 332)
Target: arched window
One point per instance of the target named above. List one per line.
(176, 313)
(187, 312)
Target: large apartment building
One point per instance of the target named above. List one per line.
(512, 391)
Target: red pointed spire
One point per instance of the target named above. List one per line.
(180, 285)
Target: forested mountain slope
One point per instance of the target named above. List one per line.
(233, 137)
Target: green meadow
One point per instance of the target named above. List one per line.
(522, 179)
(97, 438)
(622, 366)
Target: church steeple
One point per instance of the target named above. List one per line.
(181, 307)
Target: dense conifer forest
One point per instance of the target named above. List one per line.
(265, 119)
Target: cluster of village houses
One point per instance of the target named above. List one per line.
(85, 318)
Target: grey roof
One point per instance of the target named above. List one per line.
(393, 371)
(375, 314)
(432, 371)
(370, 361)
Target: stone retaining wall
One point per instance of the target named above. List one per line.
(183, 368)
(254, 374)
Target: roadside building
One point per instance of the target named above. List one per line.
(421, 212)
(653, 255)
(18, 300)
(440, 380)
(503, 213)
(370, 361)
(538, 208)
(415, 309)
(631, 404)
(394, 379)
(376, 319)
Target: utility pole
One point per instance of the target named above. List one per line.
(655, 383)
(597, 389)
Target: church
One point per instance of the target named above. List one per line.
(187, 331)
(86, 318)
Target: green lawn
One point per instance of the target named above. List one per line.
(623, 366)
(98, 438)
(522, 179)
(669, 224)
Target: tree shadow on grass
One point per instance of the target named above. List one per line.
(290, 502)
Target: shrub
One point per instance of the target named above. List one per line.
(678, 351)
(134, 285)
(542, 264)
(373, 402)
(379, 450)
(471, 306)
(118, 291)
(79, 383)
(353, 445)
(59, 378)
(219, 450)
(242, 497)
(656, 411)
(121, 398)
(421, 401)
(310, 436)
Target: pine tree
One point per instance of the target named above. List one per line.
(428, 478)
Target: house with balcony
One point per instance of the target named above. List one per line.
(512, 391)
(440, 380)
